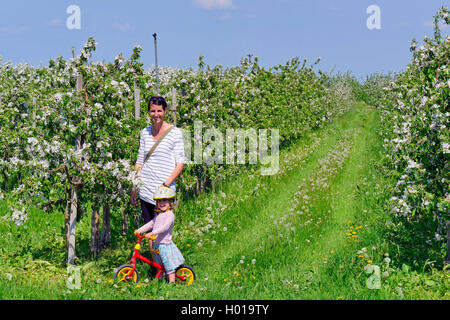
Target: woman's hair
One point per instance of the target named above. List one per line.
(159, 101)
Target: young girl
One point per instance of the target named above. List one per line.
(161, 226)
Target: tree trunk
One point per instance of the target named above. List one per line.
(95, 222)
(67, 217)
(106, 229)
(124, 222)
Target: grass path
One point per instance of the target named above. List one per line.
(282, 239)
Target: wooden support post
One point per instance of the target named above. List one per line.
(34, 112)
(72, 226)
(174, 106)
(79, 82)
(448, 243)
(74, 195)
(137, 102)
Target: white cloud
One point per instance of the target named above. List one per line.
(215, 4)
(54, 22)
(12, 31)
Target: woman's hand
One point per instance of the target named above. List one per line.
(136, 233)
(149, 235)
(133, 197)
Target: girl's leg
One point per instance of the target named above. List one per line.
(171, 277)
(150, 244)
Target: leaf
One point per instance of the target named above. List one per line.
(430, 283)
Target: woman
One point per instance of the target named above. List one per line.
(165, 163)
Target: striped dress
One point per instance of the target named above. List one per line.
(161, 163)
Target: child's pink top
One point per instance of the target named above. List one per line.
(161, 226)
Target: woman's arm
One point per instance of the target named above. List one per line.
(179, 155)
(175, 173)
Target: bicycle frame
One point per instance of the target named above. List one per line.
(137, 256)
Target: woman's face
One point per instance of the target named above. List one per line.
(157, 113)
(163, 204)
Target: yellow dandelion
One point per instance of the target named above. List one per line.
(225, 280)
(369, 261)
(138, 286)
(360, 256)
(188, 245)
(323, 259)
(332, 251)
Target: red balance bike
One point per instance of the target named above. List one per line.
(127, 272)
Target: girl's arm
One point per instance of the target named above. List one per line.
(165, 224)
(146, 227)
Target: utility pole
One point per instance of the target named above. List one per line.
(156, 63)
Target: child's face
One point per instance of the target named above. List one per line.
(163, 204)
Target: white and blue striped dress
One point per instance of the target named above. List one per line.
(161, 163)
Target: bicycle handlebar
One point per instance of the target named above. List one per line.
(143, 236)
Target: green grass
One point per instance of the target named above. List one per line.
(287, 236)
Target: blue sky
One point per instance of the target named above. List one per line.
(223, 31)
